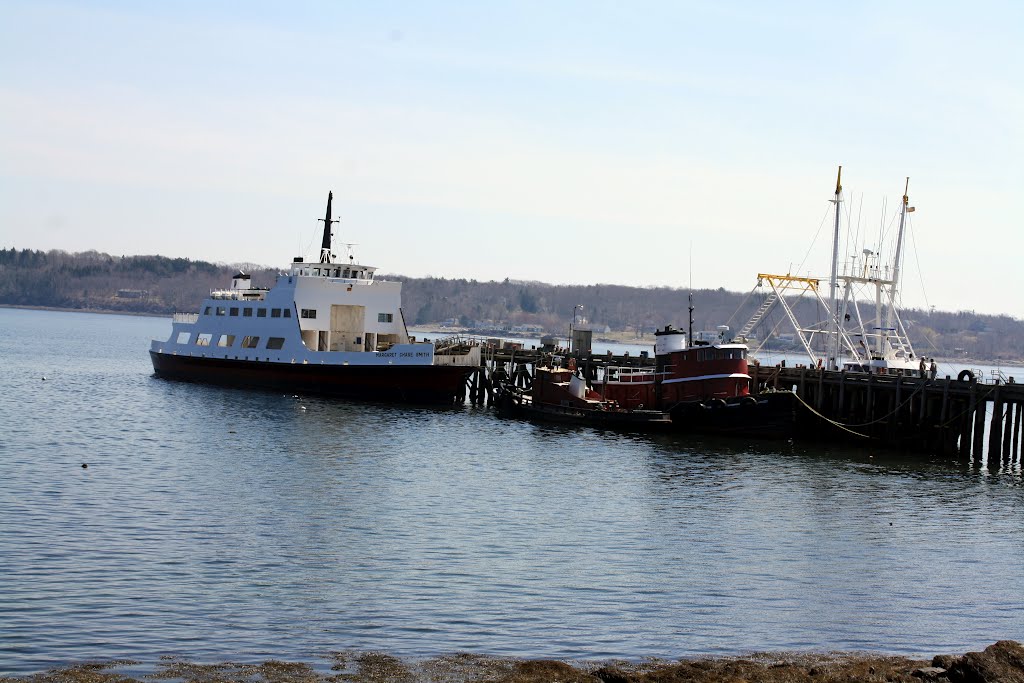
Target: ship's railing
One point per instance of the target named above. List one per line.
(189, 318)
(239, 294)
(627, 374)
(457, 343)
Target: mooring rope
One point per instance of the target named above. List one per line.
(847, 427)
(828, 419)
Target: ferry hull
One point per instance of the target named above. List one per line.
(392, 383)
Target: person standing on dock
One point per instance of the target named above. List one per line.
(923, 368)
(934, 369)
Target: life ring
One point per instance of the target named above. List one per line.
(965, 376)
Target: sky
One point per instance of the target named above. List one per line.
(638, 143)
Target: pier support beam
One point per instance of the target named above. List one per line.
(995, 431)
(1016, 431)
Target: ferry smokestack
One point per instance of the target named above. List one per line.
(325, 247)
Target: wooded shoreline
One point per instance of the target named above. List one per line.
(156, 285)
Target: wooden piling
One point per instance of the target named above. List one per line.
(1016, 431)
(1006, 422)
(841, 408)
(869, 406)
(819, 399)
(995, 429)
(978, 448)
(966, 424)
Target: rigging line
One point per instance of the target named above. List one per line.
(860, 224)
(881, 233)
(849, 231)
(800, 268)
(742, 304)
(917, 260)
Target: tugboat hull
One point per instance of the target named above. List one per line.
(765, 416)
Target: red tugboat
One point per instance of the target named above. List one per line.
(562, 395)
(700, 387)
(705, 386)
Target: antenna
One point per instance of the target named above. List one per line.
(350, 252)
(689, 333)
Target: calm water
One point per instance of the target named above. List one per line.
(214, 523)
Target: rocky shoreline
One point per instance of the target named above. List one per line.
(1002, 662)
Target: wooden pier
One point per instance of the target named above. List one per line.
(945, 416)
(966, 416)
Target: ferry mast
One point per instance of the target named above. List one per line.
(325, 246)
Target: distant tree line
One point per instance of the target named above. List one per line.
(160, 285)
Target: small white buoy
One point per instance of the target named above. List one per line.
(44, 378)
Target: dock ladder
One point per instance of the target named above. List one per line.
(767, 305)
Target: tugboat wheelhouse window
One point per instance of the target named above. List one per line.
(261, 313)
(234, 311)
(226, 340)
(247, 312)
(385, 317)
(308, 312)
(221, 310)
(207, 311)
(275, 343)
(250, 342)
(287, 312)
(275, 312)
(204, 339)
(183, 337)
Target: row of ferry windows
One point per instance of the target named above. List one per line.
(228, 340)
(308, 313)
(381, 317)
(247, 312)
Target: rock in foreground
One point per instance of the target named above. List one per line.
(1002, 662)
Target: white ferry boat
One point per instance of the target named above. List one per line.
(324, 327)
